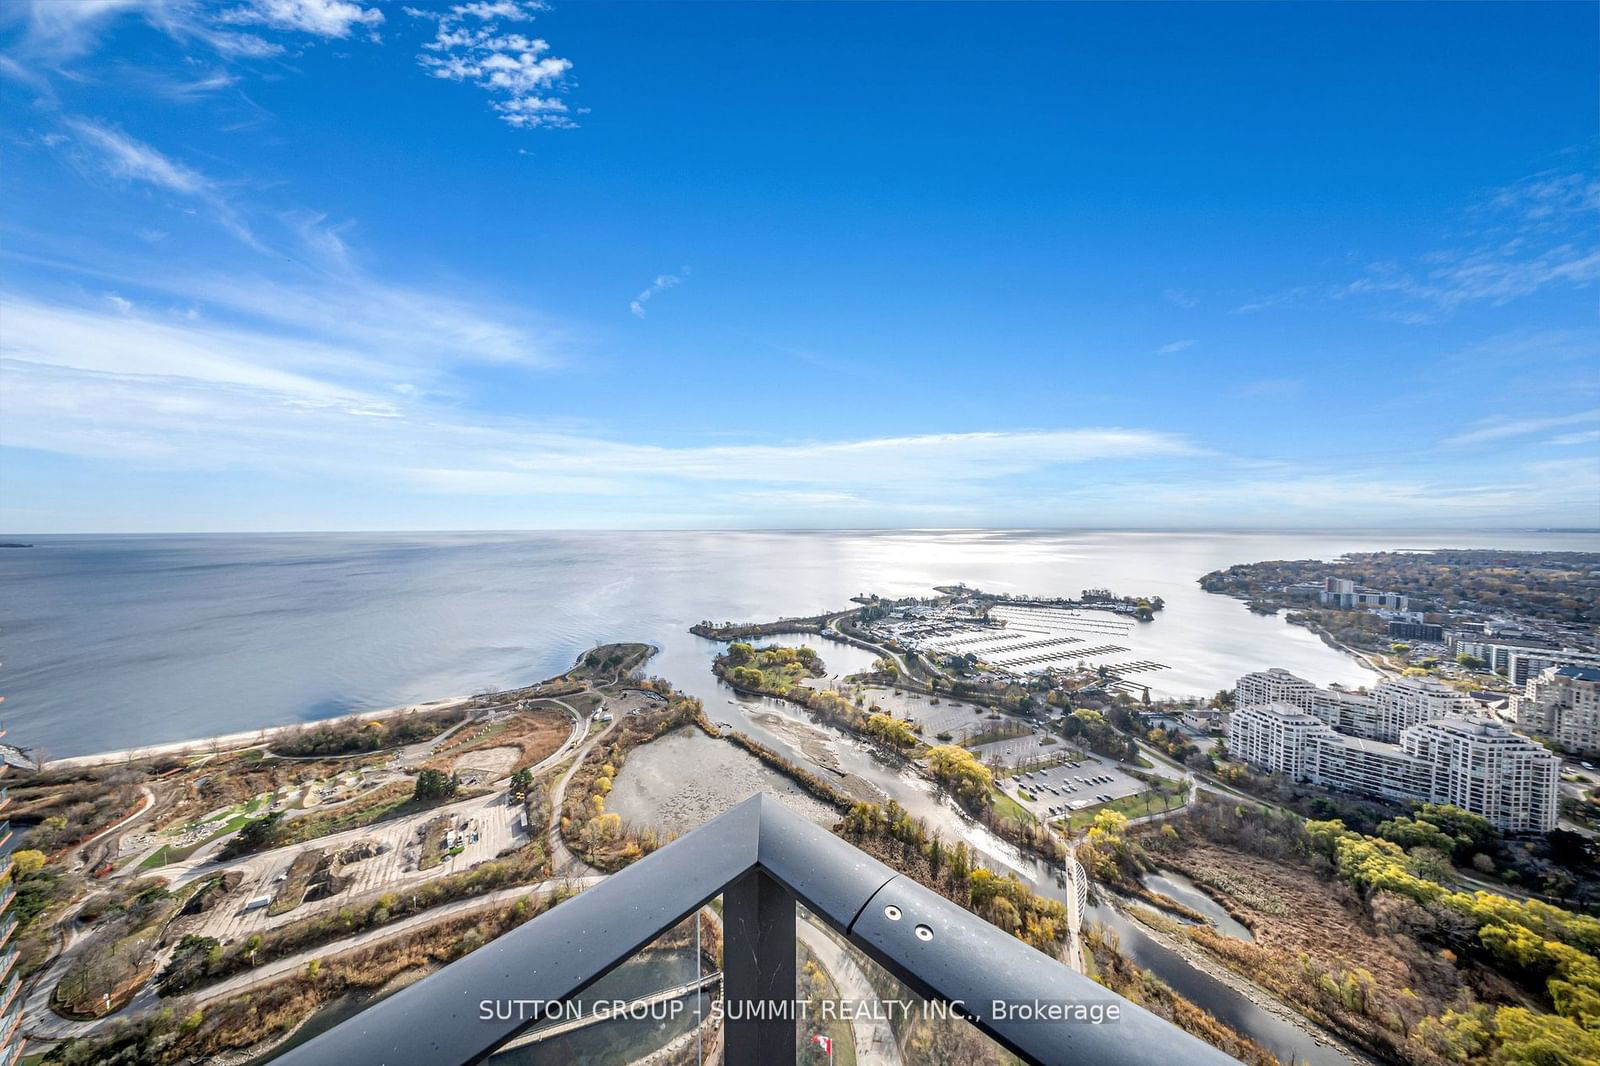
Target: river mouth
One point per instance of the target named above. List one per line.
(1175, 886)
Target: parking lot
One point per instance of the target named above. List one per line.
(947, 716)
(1071, 786)
(1025, 750)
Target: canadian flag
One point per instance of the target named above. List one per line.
(823, 1042)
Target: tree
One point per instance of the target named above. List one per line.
(27, 861)
(521, 782)
(434, 785)
(257, 834)
(959, 770)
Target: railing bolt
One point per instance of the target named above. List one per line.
(892, 912)
(924, 933)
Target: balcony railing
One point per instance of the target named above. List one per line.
(761, 859)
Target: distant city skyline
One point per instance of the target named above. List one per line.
(339, 265)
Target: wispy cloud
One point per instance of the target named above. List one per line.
(1175, 347)
(1536, 234)
(134, 160)
(1271, 387)
(121, 386)
(523, 79)
(1181, 298)
(164, 392)
(1503, 429)
(129, 159)
(661, 284)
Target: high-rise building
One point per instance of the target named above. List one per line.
(1563, 703)
(1472, 763)
(1391, 706)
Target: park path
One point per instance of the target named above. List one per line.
(41, 1023)
(874, 1039)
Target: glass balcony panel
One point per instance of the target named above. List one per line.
(873, 1019)
(655, 1003)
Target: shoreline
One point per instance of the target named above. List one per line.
(233, 741)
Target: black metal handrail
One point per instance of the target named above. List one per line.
(762, 858)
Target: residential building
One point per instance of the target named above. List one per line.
(1495, 652)
(1203, 719)
(1424, 631)
(1563, 704)
(1526, 664)
(1381, 714)
(1472, 763)
(1481, 766)
(1337, 592)
(1277, 738)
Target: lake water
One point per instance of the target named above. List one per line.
(115, 641)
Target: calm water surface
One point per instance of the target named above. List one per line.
(114, 641)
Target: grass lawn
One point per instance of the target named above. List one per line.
(1135, 806)
(990, 735)
(1008, 809)
(169, 853)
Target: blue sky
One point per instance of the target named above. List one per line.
(338, 264)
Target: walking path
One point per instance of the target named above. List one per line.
(874, 1039)
(43, 1024)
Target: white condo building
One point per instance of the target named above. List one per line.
(1563, 703)
(1472, 763)
(1524, 664)
(1381, 714)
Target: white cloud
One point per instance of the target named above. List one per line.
(661, 284)
(1587, 436)
(1502, 429)
(522, 78)
(323, 18)
(1180, 298)
(1174, 347)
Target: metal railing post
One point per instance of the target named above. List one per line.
(758, 966)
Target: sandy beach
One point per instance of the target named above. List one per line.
(231, 741)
